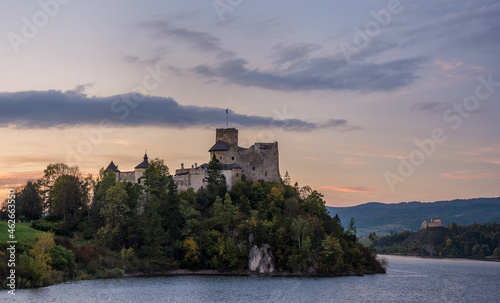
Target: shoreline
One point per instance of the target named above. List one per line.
(247, 272)
(442, 258)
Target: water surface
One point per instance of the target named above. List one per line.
(408, 279)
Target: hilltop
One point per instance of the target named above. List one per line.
(385, 218)
(457, 241)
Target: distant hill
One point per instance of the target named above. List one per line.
(456, 241)
(385, 218)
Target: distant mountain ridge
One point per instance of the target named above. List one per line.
(385, 218)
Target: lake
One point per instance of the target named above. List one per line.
(408, 279)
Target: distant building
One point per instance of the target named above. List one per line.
(433, 223)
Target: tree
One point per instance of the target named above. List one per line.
(68, 198)
(40, 258)
(286, 179)
(156, 179)
(114, 214)
(300, 229)
(191, 258)
(216, 180)
(352, 229)
(153, 234)
(51, 174)
(107, 179)
(225, 214)
(29, 202)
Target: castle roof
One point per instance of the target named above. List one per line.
(145, 163)
(112, 167)
(230, 166)
(219, 146)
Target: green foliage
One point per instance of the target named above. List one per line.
(114, 214)
(69, 199)
(40, 260)
(129, 260)
(156, 178)
(152, 233)
(152, 227)
(29, 202)
(62, 259)
(476, 240)
(44, 225)
(216, 179)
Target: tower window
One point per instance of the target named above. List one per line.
(232, 158)
(254, 168)
(221, 157)
(265, 173)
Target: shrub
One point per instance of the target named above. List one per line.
(44, 225)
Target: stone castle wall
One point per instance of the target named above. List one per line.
(228, 135)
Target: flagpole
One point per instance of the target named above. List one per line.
(227, 118)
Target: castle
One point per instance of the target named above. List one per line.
(433, 223)
(258, 162)
(130, 176)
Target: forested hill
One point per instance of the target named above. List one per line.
(386, 218)
(98, 228)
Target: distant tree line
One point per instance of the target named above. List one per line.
(475, 240)
(104, 227)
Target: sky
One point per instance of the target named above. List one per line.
(386, 101)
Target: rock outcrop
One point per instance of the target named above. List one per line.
(261, 259)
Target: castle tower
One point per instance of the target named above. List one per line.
(141, 169)
(227, 135)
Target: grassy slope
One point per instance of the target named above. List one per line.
(23, 232)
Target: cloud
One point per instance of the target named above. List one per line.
(353, 162)
(488, 155)
(469, 175)
(287, 53)
(200, 41)
(348, 189)
(294, 67)
(318, 73)
(18, 179)
(46, 109)
(430, 106)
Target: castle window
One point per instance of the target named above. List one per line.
(232, 158)
(221, 157)
(265, 173)
(237, 175)
(254, 168)
(139, 181)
